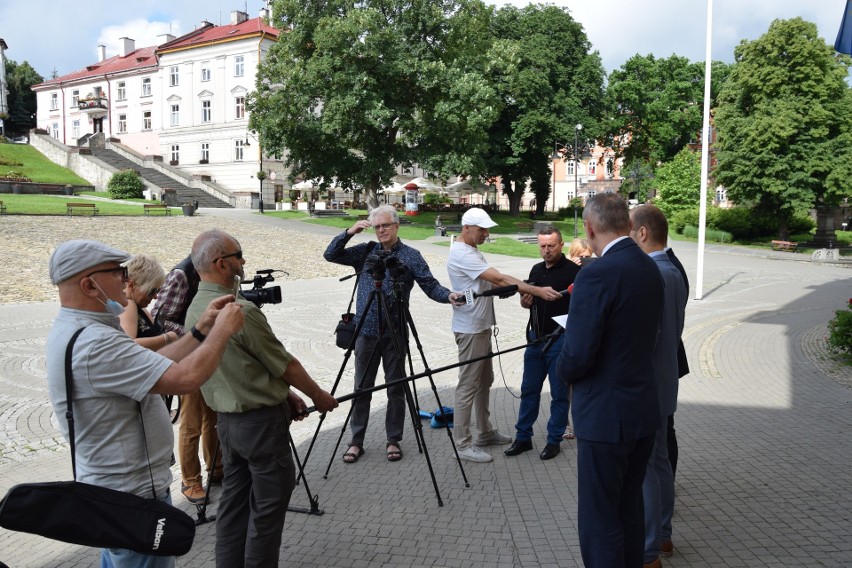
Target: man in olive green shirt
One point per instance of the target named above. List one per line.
(250, 391)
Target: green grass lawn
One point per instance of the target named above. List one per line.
(55, 205)
(35, 165)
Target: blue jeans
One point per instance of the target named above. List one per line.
(537, 366)
(121, 558)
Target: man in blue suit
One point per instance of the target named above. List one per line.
(650, 231)
(608, 355)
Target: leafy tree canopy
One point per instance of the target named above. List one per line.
(657, 106)
(678, 183)
(547, 81)
(784, 123)
(370, 86)
(21, 98)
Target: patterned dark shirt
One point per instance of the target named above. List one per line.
(417, 271)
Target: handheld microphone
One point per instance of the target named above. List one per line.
(569, 291)
(502, 291)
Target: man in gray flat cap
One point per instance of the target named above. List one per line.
(117, 382)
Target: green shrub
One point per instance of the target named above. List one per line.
(682, 218)
(126, 184)
(435, 199)
(840, 331)
(714, 235)
(736, 221)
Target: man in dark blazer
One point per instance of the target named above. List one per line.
(651, 231)
(682, 370)
(608, 354)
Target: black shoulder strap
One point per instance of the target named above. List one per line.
(69, 414)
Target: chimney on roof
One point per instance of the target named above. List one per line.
(205, 24)
(128, 46)
(264, 14)
(101, 52)
(164, 38)
(238, 17)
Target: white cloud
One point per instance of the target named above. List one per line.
(142, 31)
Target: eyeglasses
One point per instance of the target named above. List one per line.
(122, 269)
(238, 255)
(384, 226)
(153, 292)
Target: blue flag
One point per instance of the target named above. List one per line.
(843, 44)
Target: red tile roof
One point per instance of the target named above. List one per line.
(217, 34)
(135, 60)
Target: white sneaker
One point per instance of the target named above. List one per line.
(493, 439)
(474, 454)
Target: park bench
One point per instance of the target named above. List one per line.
(784, 245)
(83, 207)
(525, 226)
(329, 213)
(150, 207)
(2, 208)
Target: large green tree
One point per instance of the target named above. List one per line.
(21, 99)
(548, 80)
(355, 89)
(678, 183)
(657, 109)
(784, 123)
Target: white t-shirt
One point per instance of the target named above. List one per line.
(464, 265)
(111, 373)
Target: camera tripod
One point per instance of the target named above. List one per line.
(398, 333)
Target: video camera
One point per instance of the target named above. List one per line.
(258, 295)
(377, 262)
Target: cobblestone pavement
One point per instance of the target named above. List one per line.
(764, 421)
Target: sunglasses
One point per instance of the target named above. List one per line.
(238, 255)
(384, 226)
(122, 269)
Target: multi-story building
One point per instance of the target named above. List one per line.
(183, 99)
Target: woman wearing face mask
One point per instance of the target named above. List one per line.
(145, 276)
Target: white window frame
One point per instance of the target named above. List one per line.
(75, 128)
(239, 65)
(239, 107)
(75, 98)
(174, 115)
(592, 168)
(206, 111)
(122, 124)
(206, 72)
(146, 86)
(121, 91)
(146, 120)
(54, 101)
(175, 153)
(55, 129)
(239, 148)
(569, 168)
(205, 151)
(174, 77)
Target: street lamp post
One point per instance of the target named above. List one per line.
(261, 175)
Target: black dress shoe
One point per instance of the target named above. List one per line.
(550, 451)
(519, 447)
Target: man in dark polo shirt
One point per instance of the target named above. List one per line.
(250, 391)
(557, 272)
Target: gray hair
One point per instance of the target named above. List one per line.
(145, 272)
(208, 247)
(384, 209)
(609, 212)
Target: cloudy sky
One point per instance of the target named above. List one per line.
(62, 36)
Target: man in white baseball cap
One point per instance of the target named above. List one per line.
(472, 324)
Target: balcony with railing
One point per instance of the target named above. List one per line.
(93, 105)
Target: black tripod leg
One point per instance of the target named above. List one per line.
(421, 442)
(202, 508)
(428, 372)
(312, 499)
(337, 445)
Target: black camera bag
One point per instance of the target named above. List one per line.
(345, 330)
(90, 515)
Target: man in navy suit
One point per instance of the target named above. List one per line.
(650, 231)
(682, 370)
(608, 355)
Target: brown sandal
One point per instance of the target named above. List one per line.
(352, 457)
(394, 455)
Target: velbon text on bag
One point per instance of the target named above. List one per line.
(80, 513)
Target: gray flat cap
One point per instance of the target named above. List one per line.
(73, 257)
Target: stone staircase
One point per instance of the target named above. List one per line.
(184, 194)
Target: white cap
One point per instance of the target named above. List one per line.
(478, 217)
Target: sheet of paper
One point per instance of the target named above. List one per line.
(561, 320)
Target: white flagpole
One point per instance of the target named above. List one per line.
(705, 161)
